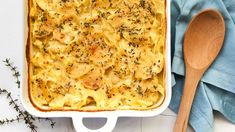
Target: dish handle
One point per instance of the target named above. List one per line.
(108, 126)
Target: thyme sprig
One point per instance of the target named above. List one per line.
(22, 114)
(13, 68)
(52, 123)
(7, 121)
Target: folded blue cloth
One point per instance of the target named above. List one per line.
(216, 90)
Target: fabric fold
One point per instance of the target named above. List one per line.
(216, 90)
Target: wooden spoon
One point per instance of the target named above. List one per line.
(203, 40)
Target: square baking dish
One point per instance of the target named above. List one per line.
(112, 116)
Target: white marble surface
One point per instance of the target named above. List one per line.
(11, 39)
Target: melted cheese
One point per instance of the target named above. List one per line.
(107, 54)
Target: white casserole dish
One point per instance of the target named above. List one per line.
(111, 116)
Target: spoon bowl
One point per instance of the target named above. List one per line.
(202, 43)
(203, 39)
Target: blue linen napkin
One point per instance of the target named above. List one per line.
(216, 90)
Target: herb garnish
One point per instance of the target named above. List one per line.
(142, 3)
(139, 90)
(16, 74)
(29, 120)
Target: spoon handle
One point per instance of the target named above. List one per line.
(191, 81)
